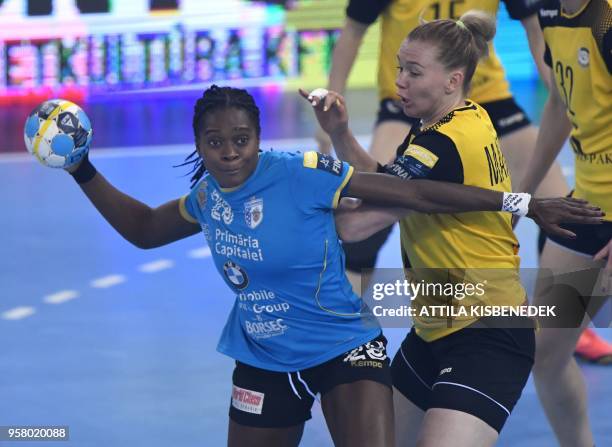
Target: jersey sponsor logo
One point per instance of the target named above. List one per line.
(206, 231)
(583, 57)
(372, 354)
(253, 212)
(270, 308)
(221, 209)
(423, 155)
(201, 195)
(315, 160)
(407, 167)
(247, 400)
(231, 244)
(549, 13)
(257, 295)
(236, 275)
(265, 328)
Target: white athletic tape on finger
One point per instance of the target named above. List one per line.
(516, 203)
(318, 93)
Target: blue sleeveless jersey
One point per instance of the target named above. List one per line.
(274, 241)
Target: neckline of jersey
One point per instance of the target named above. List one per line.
(469, 105)
(577, 13)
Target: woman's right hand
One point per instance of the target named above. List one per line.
(330, 110)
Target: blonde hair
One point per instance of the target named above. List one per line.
(460, 43)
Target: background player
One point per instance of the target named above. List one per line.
(579, 54)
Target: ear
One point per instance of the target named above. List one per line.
(454, 81)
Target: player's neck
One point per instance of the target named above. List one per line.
(438, 115)
(572, 6)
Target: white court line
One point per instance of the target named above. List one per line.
(203, 252)
(107, 281)
(18, 313)
(61, 297)
(156, 266)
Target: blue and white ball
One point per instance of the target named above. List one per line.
(58, 133)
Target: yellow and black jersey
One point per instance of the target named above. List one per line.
(579, 52)
(461, 148)
(399, 17)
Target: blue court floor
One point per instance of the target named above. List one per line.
(119, 343)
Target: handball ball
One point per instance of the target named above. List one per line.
(58, 133)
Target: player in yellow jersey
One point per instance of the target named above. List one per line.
(454, 384)
(579, 53)
(489, 88)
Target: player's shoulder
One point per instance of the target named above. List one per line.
(549, 12)
(458, 119)
(311, 160)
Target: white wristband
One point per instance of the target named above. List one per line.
(318, 93)
(516, 203)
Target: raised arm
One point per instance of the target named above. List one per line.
(555, 127)
(331, 113)
(343, 58)
(143, 226)
(537, 47)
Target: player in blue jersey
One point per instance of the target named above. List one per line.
(296, 329)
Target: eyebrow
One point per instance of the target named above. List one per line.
(213, 130)
(409, 62)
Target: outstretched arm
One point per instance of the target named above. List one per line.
(143, 226)
(555, 126)
(429, 196)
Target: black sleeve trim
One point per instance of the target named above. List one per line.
(416, 163)
(520, 9)
(547, 56)
(449, 167)
(607, 50)
(366, 11)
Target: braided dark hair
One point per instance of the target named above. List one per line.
(215, 98)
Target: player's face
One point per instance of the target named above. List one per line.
(422, 81)
(229, 145)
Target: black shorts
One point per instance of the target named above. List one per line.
(506, 115)
(589, 238)
(392, 110)
(481, 372)
(269, 399)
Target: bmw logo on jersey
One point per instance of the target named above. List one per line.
(236, 275)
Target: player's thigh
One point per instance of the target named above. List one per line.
(265, 409)
(356, 395)
(360, 414)
(245, 436)
(408, 420)
(387, 136)
(566, 282)
(443, 427)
